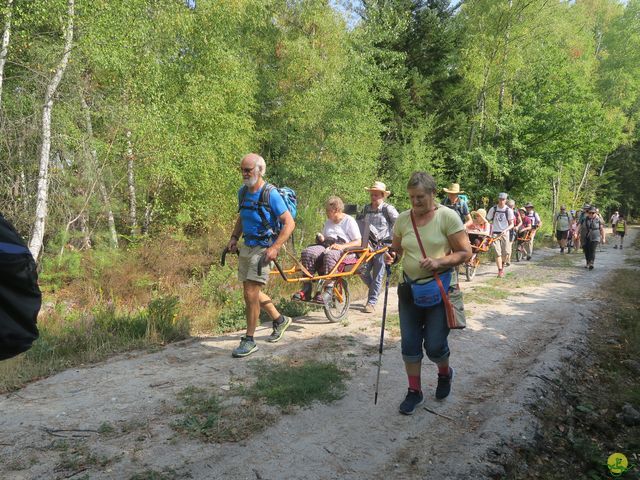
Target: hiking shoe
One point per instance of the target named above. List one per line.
(616, 246)
(368, 308)
(528, 257)
(278, 329)
(500, 273)
(319, 298)
(412, 401)
(590, 267)
(246, 347)
(444, 384)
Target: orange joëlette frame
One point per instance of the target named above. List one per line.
(366, 254)
(484, 246)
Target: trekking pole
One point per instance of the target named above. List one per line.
(384, 319)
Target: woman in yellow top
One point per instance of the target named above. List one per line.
(446, 245)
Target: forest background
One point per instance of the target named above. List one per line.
(123, 124)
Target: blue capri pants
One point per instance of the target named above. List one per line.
(423, 327)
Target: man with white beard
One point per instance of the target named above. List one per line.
(258, 242)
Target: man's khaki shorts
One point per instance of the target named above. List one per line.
(248, 264)
(502, 246)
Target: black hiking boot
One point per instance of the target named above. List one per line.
(412, 401)
(444, 384)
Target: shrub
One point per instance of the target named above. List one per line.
(163, 322)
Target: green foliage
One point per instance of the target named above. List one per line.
(60, 270)
(292, 309)
(164, 322)
(232, 315)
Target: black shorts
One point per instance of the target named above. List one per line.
(562, 234)
(620, 234)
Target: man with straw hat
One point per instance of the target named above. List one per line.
(456, 203)
(382, 216)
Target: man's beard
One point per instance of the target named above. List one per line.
(251, 181)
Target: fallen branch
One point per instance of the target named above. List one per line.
(438, 414)
(56, 432)
(76, 472)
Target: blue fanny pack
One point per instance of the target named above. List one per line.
(428, 294)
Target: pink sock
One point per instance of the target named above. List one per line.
(443, 370)
(414, 383)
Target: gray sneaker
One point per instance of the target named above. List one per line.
(278, 330)
(246, 347)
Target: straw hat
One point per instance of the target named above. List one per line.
(482, 213)
(453, 188)
(378, 187)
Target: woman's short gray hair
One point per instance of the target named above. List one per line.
(422, 180)
(511, 203)
(334, 204)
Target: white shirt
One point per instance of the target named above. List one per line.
(501, 218)
(347, 229)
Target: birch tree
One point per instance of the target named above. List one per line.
(6, 33)
(95, 171)
(35, 243)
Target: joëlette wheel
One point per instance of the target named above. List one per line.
(337, 301)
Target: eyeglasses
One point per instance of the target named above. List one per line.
(247, 170)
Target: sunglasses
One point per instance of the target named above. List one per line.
(247, 170)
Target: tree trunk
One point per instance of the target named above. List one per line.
(583, 180)
(5, 43)
(603, 165)
(83, 222)
(35, 244)
(113, 234)
(555, 199)
(505, 57)
(133, 218)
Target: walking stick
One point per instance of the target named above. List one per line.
(384, 319)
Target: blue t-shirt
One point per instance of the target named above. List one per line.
(252, 228)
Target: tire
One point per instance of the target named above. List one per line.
(337, 307)
(519, 253)
(471, 267)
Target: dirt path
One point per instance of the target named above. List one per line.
(504, 360)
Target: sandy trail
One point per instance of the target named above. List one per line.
(504, 361)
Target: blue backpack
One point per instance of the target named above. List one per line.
(271, 228)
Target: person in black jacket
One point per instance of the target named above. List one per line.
(20, 297)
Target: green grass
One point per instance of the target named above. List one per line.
(206, 416)
(486, 294)
(559, 260)
(517, 281)
(295, 384)
(69, 340)
(202, 413)
(391, 324)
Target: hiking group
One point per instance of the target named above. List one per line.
(430, 240)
